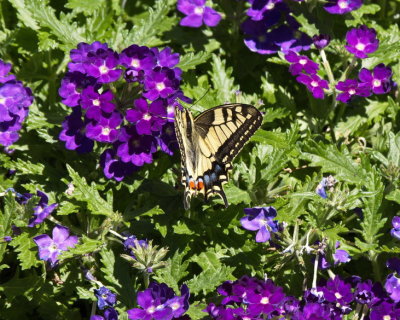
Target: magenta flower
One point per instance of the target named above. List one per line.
(301, 63)
(4, 70)
(361, 41)
(161, 82)
(197, 13)
(321, 41)
(103, 66)
(379, 79)
(51, 248)
(98, 101)
(314, 84)
(114, 168)
(342, 6)
(106, 128)
(147, 117)
(351, 88)
(266, 9)
(81, 55)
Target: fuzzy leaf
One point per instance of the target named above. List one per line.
(222, 79)
(209, 279)
(27, 250)
(85, 246)
(191, 60)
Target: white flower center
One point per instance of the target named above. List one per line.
(338, 295)
(360, 46)
(170, 109)
(245, 318)
(103, 69)
(39, 209)
(175, 306)
(303, 61)
(147, 116)
(96, 102)
(376, 83)
(314, 84)
(160, 86)
(150, 310)
(352, 91)
(199, 11)
(264, 300)
(105, 131)
(135, 63)
(270, 6)
(387, 317)
(343, 4)
(2, 100)
(53, 247)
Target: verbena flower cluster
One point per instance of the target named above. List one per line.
(15, 100)
(270, 28)
(360, 42)
(159, 302)
(124, 100)
(251, 298)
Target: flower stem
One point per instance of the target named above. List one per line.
(314, 281)
(348, 69)
(146, 279)
(93, 311)
(327, 67)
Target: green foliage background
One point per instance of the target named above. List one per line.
(302, 139)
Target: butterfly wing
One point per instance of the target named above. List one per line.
(210, 142)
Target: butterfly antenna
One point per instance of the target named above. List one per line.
(199, 98)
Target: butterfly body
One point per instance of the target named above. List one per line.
(208, 144)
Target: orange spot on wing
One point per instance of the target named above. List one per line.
(192, 185)
(200, 185)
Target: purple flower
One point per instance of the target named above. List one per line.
(109, 314)
(102, 66)
(395, 231)
(338, 292)
(260, 219)
(167, 139)
(392, 286)
(105, 298)
(161, 82)
(257, 39)
(159, 302)
(105, 129)
(91, 99)
(341, 256)
(136, 148)
(147, 117)
(42, 210)
(351, 88)
(165, 57)
(368, 293)
(313, 311)
(138, 60)
(267, 300)
(81, 56)
(71, 87)
(321, 41)
(289, 38)
(361, 41)
(269, 10)
(379, 80)
(385, 311)
(314, 84)
(73, 132)
(196, 13)
(320, 190)
(51, 248)
(4, 70)
(342, 6)
(132, 242)
(301, 63)
(393, 264)
(113, 167)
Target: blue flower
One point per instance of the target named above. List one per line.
(260, 219)
(105, 298)
(395, 231)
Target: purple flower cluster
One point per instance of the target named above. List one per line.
(51, 248)
(125, 100)
(261, 219)
(197, 13)
(309, 77)
(376, 81)
(251, 298)
(270, 28)
(15, 100)
(342, 6)
(160, 302)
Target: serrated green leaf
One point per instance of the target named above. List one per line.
(236, 195)
(277, 140)
(85, 294)
(27, 167)
(86, 6)
(394, 196)
(27, 250)
(174, 271)
(108, 261)
(6, 219)
(20, 286)
(66, 208)
(89, 194)
(221, 77)
(208, 280)
(394, 149)
(24, 14)
(191, 60)
(182, 228)
(85, 246)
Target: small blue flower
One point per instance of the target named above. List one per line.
(260, 219)
(395, 231)
(340, 255)
(105, 298)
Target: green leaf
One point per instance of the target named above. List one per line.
(24, 14)
(174, 271)
(182, 228)
(236, 195)
(332, 160)
(394, 196)
(66, 208)
(85, 246)
(6, 219)
(27, 250)
(89, 194)
(221, 79)
(208, 280)
(85, 6)
(108, 261)
(191, 60)
(277, 140)
(85, 294)
(27, 167)
(394, 149)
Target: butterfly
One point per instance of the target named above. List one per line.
(209, 142)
